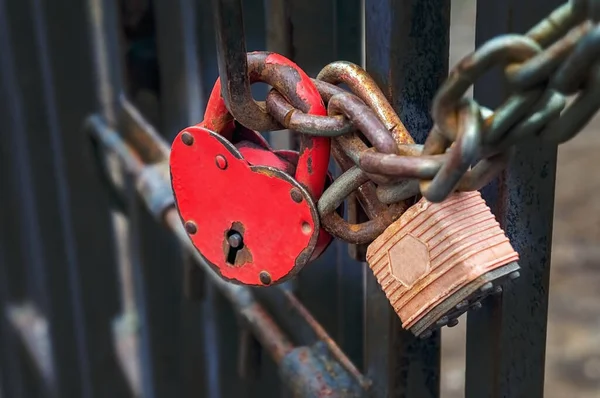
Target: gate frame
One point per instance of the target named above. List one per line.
(58, 242)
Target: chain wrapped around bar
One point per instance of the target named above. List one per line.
(468, 144)
(371, 120)
(558, 57)
(367, 108)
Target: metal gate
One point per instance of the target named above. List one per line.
(100, 291)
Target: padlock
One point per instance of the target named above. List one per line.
(440, 259)
(245, 212)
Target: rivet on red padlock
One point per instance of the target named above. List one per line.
(250, 211)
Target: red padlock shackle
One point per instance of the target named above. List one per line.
(299, 90)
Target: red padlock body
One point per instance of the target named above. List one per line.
(256, 150)
(219, 190)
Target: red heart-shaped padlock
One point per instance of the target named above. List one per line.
(250, 219)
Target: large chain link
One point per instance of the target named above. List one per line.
(558, 57)
(468, 144)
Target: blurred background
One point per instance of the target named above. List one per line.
(122, 297)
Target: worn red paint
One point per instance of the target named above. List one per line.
(314, 158)
(216, 115)
(215, 199)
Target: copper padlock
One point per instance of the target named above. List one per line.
(440, 259)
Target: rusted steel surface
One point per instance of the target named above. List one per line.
(363, 120)
(558, 55)
(312, 373)
(366, 231)
(465, 152)
(323, 336)
(233, 67)
(301, 122)
(363, 85)
(421, 167)
(284, 75)
(375, 119)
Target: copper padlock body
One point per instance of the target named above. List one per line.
(436, 249)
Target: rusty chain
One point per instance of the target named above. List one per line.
(468, 144)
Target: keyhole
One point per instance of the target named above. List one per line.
(236, 243)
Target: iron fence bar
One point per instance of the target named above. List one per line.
(19, 175)
(506, 340)
(182, 99)
(182, 92)
(278, 37)
(407, 44)
(205, 34)
(134, 340)
(16, 380)
(330, 287)
(348, 37)
(14, 383)
(49, 120)
(28, 90)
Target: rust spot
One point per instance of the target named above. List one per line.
(187, 138)
(265, 277)
(296, 195)
(355, 227)
(303, 257)
(191, 227)
(236, 257)
(269, 172)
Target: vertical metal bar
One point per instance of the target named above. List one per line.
(330, 287)
(105, 40)
(279, 27)
(279, 40)
(348, 39)
(182, 98)
(21, 177)
(50, 193)
(13, 380)
(317, 283)
(43, 255)
(205, 33)
(407, 44)
(13, 278)
(79, 191)
(506, 339)
(182, 91)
